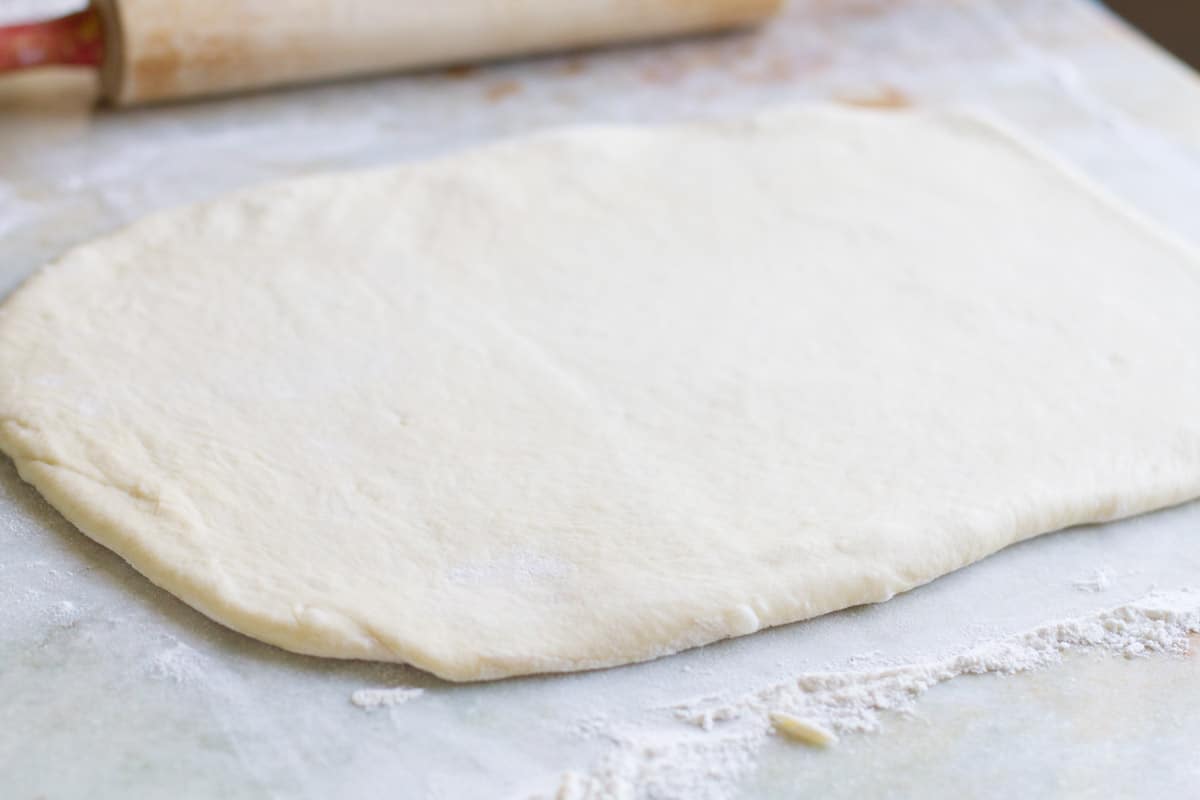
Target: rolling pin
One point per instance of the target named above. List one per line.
(155, 50)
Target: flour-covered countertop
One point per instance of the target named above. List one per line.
(111, 688)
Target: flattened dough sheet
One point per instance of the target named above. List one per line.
(597, 395)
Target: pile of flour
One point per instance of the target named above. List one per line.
(712, 743)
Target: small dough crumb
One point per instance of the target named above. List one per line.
(802, 730)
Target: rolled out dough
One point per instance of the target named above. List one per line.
(597, 395)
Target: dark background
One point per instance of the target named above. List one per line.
(1174, 24)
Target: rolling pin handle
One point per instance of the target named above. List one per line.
(76, 39)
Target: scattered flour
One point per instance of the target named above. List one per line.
(708, 756)
(1100, 580)
(666, 762)
(64, 614)
(178, 663)
(384, 698)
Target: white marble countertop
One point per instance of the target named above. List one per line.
(111, 688)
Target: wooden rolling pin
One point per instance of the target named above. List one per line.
(152, 50)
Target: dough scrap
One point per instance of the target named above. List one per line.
(597, 395)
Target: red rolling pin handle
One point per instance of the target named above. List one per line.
(74, 39)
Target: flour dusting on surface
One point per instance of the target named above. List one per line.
(384, 698)
(178, 663)
(1098, 580)
(64, 614)
(717, 745)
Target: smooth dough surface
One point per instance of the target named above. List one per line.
(597, 395)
